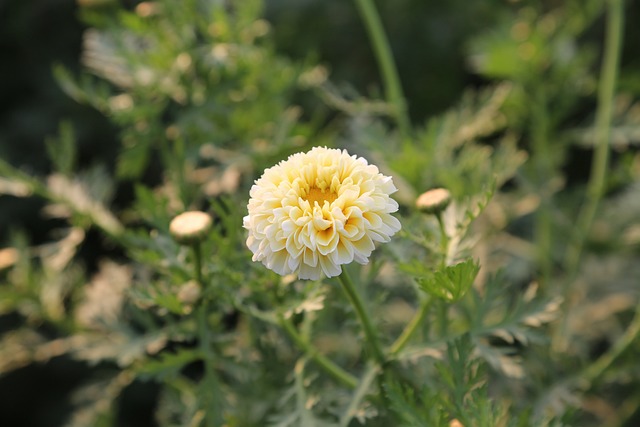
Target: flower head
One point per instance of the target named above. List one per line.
(190, 227)
(434, 201)
(318, 210)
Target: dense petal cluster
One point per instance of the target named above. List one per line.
(318, 210)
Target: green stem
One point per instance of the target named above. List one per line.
(197, 263)
(210, 382)
(443, 317)
(370, 374)
(337, 372)
(411, 327)
(543, 169)
(444, 240)
(604, 114)
(356, 302)
(382, 50)
(443, 306)
(212, 408)
(630, 335)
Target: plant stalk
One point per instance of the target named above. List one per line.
(369, 331)
(543, 168)
(411, 327)
(444, 240)
(312, 352)
(417, 319)
(595, 370)
(604, 114)
(197, 263)
(382, 50)
(443, 306)
(210, 382)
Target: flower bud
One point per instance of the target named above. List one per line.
(190, 227)
(189, 292)
(8, 257)
(434, 201)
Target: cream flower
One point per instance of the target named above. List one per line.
(318, 210)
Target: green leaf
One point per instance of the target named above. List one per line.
(133, 160)
(62, 150)
(360, 393)
(416, 408)
(452, 283)
(170, 302)
(167, 365)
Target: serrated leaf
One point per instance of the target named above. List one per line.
(95, 401)
(104, 296)
(123, 347)
(167, 365)
(451, 283)
(133, 160)
(170, 302)
(403, 403)
(62, 150)
(79, 197)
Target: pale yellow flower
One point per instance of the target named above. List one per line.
(318, 210)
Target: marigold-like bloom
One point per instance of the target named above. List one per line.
(318, 210)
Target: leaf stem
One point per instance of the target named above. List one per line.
(444, 240)
(442, 306)
(411, 327)
(604, 114)
(370, 374)
(543, 169)
(311, 351)
(210, 382)
(417, 319)
(356, 302)
(382, 50)
(197, 263)
(596, 369)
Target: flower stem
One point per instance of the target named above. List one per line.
(388, 69)
(417, 319)
(444, 240)
(411, 327)
(604, 114)
(543, 169)
(442, 306)
(197, 263)
(337, 372)
(630, 335)
(356, 302)
(210, 382)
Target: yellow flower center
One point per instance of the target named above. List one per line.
(317, 195)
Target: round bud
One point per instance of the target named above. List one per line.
(189, 292)
(190, 227)
(434, 201)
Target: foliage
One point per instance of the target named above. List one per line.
(498, 311)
